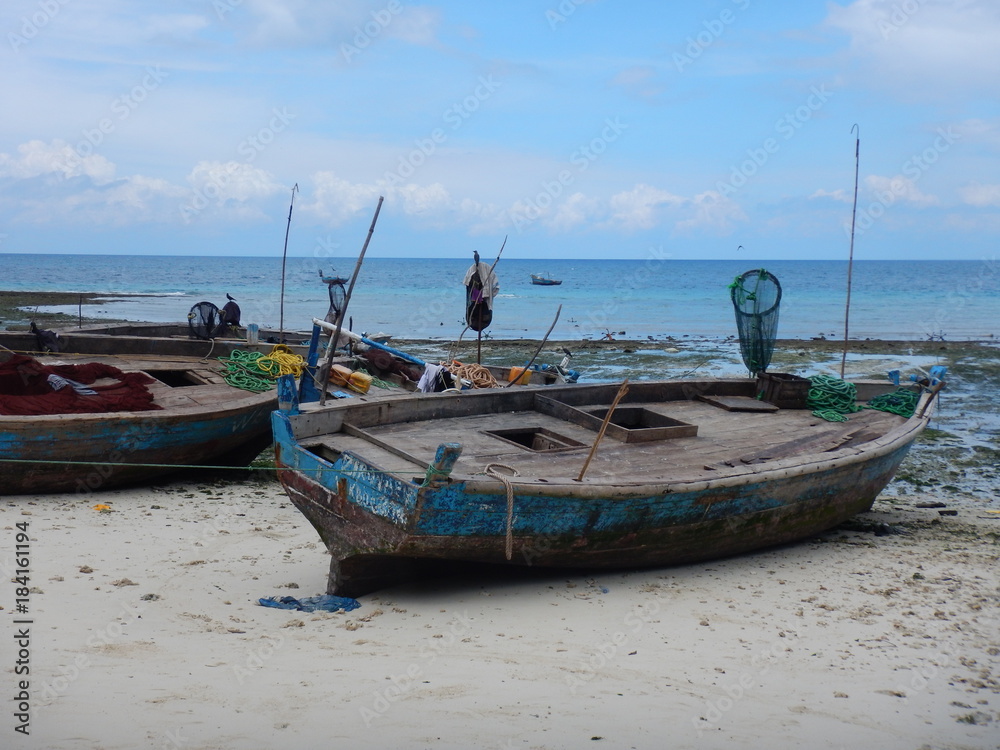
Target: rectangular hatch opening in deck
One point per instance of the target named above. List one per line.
(537, 439)
(176, 378)
(634, 424)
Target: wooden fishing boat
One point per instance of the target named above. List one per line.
(158, 339)
(201, 420)
(687, 470)
(546, 280)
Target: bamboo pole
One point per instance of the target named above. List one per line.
(538, 350)
(335, 337)
(850, 259)
(604, 426)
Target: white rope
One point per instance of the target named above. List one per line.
(493, 470)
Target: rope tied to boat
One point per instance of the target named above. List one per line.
(493, 470)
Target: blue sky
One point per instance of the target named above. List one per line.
(577, 128)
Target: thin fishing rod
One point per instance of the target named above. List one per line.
(284, 257)
(850, 259)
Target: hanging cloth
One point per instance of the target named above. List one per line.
(481, 286)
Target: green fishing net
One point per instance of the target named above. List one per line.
(756, 296)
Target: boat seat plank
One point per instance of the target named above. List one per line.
(328, 447)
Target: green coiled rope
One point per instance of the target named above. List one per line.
(243, 371)
(831, 398)
(902, 402)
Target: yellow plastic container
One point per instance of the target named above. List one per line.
(520, 374)
(360, 382)
(340, 375)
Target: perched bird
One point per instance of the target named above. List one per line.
(231, 312)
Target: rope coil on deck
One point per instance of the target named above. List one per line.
(478, 375)
(256, 372)
(902, 402)
(831, 398)
(493, 470)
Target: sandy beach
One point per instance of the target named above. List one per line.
(145, 632)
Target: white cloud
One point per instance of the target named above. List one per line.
(232, 181)
(640, 207)
(924, 50)
(291, 23)
(37, 158)
(888, 190)
(335, 200)
(712, 212)
(981, 195)
(574, 212)
(838, 195)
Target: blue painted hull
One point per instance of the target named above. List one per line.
(376, 524)
(87, 452)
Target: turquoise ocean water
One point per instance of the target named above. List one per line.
(424, 298)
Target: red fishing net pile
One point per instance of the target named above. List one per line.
(26, 389)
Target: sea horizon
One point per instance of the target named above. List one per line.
(424, 297)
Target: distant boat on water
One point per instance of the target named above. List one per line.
(546, 280)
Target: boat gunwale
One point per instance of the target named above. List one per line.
(895, 438)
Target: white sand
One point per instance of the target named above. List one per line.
(855, 641)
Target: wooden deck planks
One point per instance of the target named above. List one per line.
(723, 435)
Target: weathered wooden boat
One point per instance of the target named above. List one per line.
(201, 420)
(544, 280)
(158, 339)
(687, 470)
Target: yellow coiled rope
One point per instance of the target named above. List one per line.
(253, 371)
(281, 361)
